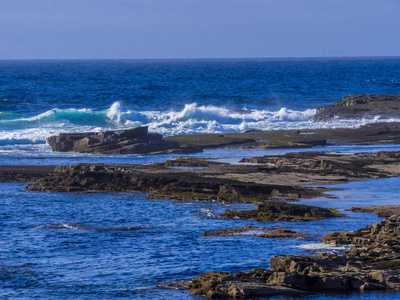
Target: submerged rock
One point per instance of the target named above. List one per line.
(360, 106)
(129, 141)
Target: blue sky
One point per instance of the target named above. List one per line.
(73, 29)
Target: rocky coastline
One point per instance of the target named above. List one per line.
(371, 264)
(272, 183)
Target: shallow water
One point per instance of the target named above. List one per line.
(63, 246)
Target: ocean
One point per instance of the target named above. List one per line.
(112, 246)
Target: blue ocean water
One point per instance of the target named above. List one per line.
(111, 246)
(40, 98)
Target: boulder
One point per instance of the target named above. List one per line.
(129, 141)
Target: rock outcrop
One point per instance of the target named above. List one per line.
(264, 232)
(137, 140)
(280, 211)
(162, 183)
(360, 106)
(286, 176)
(129, 141)
(252, 284)
(371, 264)
(380, 210)
(24, 173)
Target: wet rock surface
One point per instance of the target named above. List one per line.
(360, 106)
(160, 182)
(376, 133)
(239, 285)
(379, 210)
(265, 232)
(280, 211)
(24, 173)
(273, 176)
(139, 141)
(129, 141)
(371, 264)
(334, 166)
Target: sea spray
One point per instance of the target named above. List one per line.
(191, 119)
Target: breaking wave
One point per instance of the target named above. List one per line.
(17, 129)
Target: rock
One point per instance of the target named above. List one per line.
(360, 106)
(376, 133)
(251, 284)
(129, 141)
(161, 183)
(372, 264)
(279, 211)
(256, 231)
(232, 231)
(282, 234)
(387, 231)
(25, 173)
(380, 210)
(370, 286)
(292, 280)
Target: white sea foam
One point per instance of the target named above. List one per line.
(321, 246)
(191, 119)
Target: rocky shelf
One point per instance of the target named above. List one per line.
(279, 211)
(276, 176)
(139, 141)
(379, 210)
(360, 106)
(371, 264)
(264, 232)
(129, 141)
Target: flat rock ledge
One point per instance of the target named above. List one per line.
(129, 141)
(162, 183)
(264, 232)
(382, 211)
(360, 106)
(371, 264)
(280, 211)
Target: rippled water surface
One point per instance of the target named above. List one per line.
(98, 246)
(111, 246)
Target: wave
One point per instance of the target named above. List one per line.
(17, 129)
(90, 228)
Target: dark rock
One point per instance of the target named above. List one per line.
(279, 211)
(24, 173)
(384, 231)
(158, 182)
(360, 106)
(372, 264)
(225, 285)
(377, 133)
(129, 141)
(380, 210)
(256, 231)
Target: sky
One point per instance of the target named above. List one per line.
(145, 29)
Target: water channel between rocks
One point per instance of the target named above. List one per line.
(85, 246)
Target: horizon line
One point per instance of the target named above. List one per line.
(204, 58)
